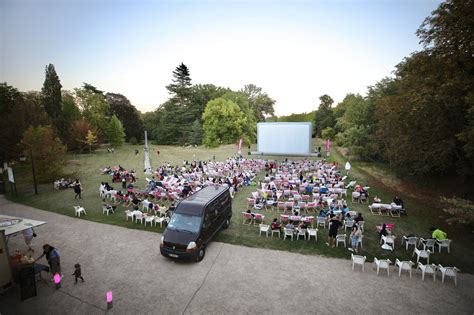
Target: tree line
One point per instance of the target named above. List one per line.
(207, 114)
(421, 120)
(46, 124)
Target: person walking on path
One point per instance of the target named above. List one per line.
(53, 258)
(77, 188)
(77, 273)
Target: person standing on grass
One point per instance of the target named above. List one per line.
(334, 224)
(355, 236)
(77, 188)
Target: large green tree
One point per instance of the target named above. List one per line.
(130, 117)
(249, 129)
(21, 111)
(114, 132)
(324, 115)
(52, 99)
(47, 150)
(70, 113)
(259, 101)
(223, 122)
(93, 106)
(423, 126)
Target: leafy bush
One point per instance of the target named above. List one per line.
(133, 141)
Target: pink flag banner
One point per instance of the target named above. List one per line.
(328, 147)
(240, 146)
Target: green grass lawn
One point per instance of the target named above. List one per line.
(421, 216)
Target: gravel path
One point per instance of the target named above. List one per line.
(231, 279)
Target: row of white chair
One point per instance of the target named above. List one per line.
(408, 267)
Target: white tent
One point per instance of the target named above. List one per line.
(10, 226)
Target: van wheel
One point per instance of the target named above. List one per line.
(201, 253)
(226, 223)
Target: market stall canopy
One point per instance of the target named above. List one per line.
(13, 225)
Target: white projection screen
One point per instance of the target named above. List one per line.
(284, 138)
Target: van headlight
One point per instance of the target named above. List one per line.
(191, 247)
(162, 241)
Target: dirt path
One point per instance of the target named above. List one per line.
(231, 279)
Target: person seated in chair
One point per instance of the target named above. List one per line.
(398, 201)
(359, 218)
(289, 225)
(276, 225)
(437, 234)
(303, 225)
(107, 206)
(383, 231)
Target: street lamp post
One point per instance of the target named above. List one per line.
(34, 173)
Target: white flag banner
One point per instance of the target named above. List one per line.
(10, 175)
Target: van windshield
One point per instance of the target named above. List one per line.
(184, 222)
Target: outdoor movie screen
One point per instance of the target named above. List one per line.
(284, 138)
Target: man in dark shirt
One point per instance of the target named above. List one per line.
(398, 201)
(334, 224)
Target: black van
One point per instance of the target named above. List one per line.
(195, 221)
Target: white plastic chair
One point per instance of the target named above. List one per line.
(359, 241)
(159, 220)
(78, 210)
(355, 196)
(321, 221)
(341, 238)
(351, 184)
(139, 216)
(145, 204)
(301, 232)
(404, 265)
(388, 240)
(129, 214)
(427, 269)
(444, 243)
(288, 233)
(313, 232)
(276, 231)
(264, 228)
(107, 209)
(421, 253)
(450, 272)
(428, 243)
(412, 240)
(150, 219)
(358, 260)
(382, 264)
(348, 224)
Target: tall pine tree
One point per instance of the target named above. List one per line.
(180, 89)
(51, 97)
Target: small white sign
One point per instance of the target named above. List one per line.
(10, 175)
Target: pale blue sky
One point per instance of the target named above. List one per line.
(295, 50)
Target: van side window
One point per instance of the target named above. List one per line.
(207, 220)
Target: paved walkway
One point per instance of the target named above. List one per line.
(231, 279)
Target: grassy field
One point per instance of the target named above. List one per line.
(421, 213)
